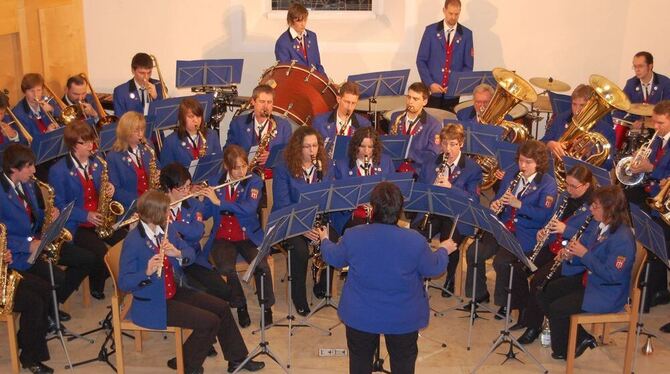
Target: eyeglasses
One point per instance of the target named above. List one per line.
(573, 186)
(183, 188)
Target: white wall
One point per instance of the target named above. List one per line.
(567, 39)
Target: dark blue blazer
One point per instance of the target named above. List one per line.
(661, 170)
(426, 141)
(468, 113)
(287, 49)
(432, 54)
(179, 150)
(326, 126)
(392, 300)
(243, 133)
(604, 126)
(123, 177)
(245, 209)
(573, 222)
(64, 177)
(660, 90)
(610, 264)
(191, 229)
(19, 228)
(127, 97)
(149, 307)
(537, 205)
(285, 186)
(25, 115)
(88, 99)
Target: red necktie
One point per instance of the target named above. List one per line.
(659, 153)
(301, 41)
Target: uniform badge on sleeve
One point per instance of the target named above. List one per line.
(549, 201)
(198, 216)
(620, 261)
(254, 193)
(437, 139)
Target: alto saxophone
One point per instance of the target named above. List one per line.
(154, 173)
(52, 251)
(396, 124)
(263, 144)
(202, 151)
(9, 280)
(109, 209)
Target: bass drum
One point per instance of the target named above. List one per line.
(301, 93)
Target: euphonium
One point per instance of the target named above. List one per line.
(263, 144)
(582, 144)
(544, 232)
(109, 209)
(18, 123)
(511, 90)
(105, 119)
(52, 251)
(661, 202)
(622, 169)
(154, 173)
(160, 77)
(9, 280)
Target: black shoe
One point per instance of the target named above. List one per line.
(319, 291)
(243, 317)
(98, 295)
(449, 287)
(517, 326)
(502, 312)
(665, 328)
(302, 310)
(558, 356)
(268, 317)
(38, 367)
(212, 352)
(485, 298)
(589, 342)
(63, 316)
(251, 365)
(660, 298)
(529, 336)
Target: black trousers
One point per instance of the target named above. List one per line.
(207, 280)
(440, 102)
(224, 255)
(533, 315)
(561, 299)
(402, 349)
(442, 226)
(658, 272)
(209, 317)
(79, 263)
(33, 301)
(486, 249)
(87, 239)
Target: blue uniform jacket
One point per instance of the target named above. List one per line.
(149, 307)
(191, 229)
(123, 177)
(661, 170)
(285, 186)
(610, 264)
(245, 209)
(127, 97)
(392, 301)
(537, 205)
(573, 222)
(604, 126)
(20, 231)
(326, 126)
(88, 99)
(468, 114)
(25, 115)
(426, 140)
(64, 177)
(243, 133)
(660, 90)
(288, 49)
(432, 54)
(179, 150)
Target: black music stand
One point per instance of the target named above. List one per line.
(506, 156)
(602, 176)
(464, 82)
(337, 148)
(480, 139)
(208, 169)
(560, 103)
(380, 83)
(49, 146)
(396, 147)
(163, 114)
(107, 135)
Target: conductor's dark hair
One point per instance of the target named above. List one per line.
(17, 156)
(387, 201)
(173, 176)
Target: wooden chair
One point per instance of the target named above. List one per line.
(10, 319)
(629, 315)
(120, 310)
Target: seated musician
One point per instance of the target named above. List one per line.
(450, 169)
(136, 94)
(579, 188)
(481, 97)
(342, 120)
(32, 109)
(32, 300)
(596, 276)
(563, 120)
(259, 126)
(364, 157)
(657, 169)
(191, 140)
(237, 231)
(21, 204)
(525, 201)
(384, 291)
(306, 162)
(416, 122)
(160, 298)
(76, 93)
(297, 43)
(130, 160)
(77, 177)
(8, 130)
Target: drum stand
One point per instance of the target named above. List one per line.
(263, 346)
(506, 337)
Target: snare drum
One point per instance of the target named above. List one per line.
(300, 93)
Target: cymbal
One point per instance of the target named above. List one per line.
(641, 109)
(550, 84)
(384, 103)
(543, 104)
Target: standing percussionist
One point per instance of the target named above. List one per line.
(297, 43)
(392, 302)
(342, 120)
(136, 94)
(446, 47)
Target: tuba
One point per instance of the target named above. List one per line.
(154, 173)
(52, 251)
(582, 144)
(109, 209)
(9, 280)
(511, 90)
(105, 119)
(164, 90)
(263, 144)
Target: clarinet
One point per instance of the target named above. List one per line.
(512, 187)
(544, 232)
(559, 259)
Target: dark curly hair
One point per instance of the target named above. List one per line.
(356, 140)
(293, 151)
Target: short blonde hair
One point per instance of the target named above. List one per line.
(129, 123)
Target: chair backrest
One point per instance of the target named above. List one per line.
(640, 258)
(112, 259)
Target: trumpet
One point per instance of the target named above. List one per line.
(623, 168)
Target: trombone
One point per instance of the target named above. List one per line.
(105, 119)
(164, 90)
(18, 123)
(68, 113)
